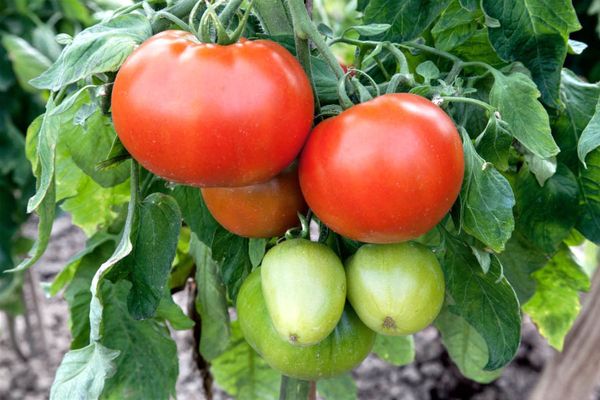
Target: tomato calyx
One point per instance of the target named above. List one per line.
(211, 21)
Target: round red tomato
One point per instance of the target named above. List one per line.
(383, 171)
(261, 210)
(209, 115)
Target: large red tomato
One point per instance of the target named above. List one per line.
(210, 115)
(383, 171)
(262, 210)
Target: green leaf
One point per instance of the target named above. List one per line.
(83, 372)
(555, 304)
(486, 200)
(494, 143)
(256, 251)
(541, 168)
(527, 119)
(104, 47)
(89, 142)
(154, 248)
(78, 295)
(459, 30)
(576, 47)
(466, 347)
(409, 18)
(147, 365)
(580, 99)
(196, 214)
(546, 215)
(534, 32)
(519, 260)
(229, 250)
(371, 29)
(397, 350)
(168, 310)
(341, 387)
(27, 61)
(589, 183)
(428, 70)
(211, 301)
(590, 137)
(93, 207)
(242, 373)
(485, 300)
(46, 208)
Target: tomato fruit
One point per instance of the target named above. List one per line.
(304, 284)
(209, 115)
(342, 350)
(261, 210)
(396, 289)
(383, 171)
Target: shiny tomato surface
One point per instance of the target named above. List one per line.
(261, 210)
(383, 171)
(210, 115)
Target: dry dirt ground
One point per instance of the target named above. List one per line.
(431, 377)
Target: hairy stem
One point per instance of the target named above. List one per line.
(303, 54)
(202, 364)
(305, 29)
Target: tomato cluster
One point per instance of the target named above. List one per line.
(232, 120)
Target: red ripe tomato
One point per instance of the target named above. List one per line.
(210, 115)
(262, 210)
(383, 171)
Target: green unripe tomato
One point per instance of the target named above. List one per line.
(346, 347)
(396, 289)
(304, 285)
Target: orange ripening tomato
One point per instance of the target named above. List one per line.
(211, 115)
(262, 210)
(384, 171)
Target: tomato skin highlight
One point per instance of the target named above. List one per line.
(304, 287)
(262, 210)
(383, 171)
(210, 115)
(346, 347)
(396, 289)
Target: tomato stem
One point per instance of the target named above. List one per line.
(305, 29)
(179, 10)
(469, 100)
(303, 55)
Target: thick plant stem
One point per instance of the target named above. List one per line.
(201, 363)
(273, 17)
(180, 10)
(230, 8)
(295, 389)
(305, 29)
(12, 334)
(303, 54)
(33, 288)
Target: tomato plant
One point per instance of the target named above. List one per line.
(262, 210)
(397, 163)
(396, 289)
(212, 115)
(458, 128)
(304, 286)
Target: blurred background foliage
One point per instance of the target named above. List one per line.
(28, 45)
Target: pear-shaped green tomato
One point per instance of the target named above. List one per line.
(304, 285)
(396, 289)
(346, 347)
